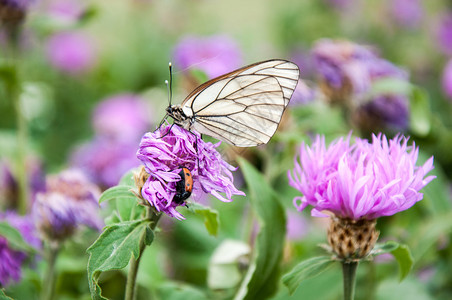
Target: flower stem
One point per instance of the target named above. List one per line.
(154, 217)
(50, 278)
(349, 273)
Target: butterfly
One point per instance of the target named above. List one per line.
(243, 107)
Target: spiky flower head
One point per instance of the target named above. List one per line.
(169, 149)
(358, 183)
(70, 200)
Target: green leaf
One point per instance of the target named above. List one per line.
(405, 260)
(176, 291)
(127, 179)
(420, 112)
(113, 250)
(119, 191)
(262, 277)
(210, 215)
(400, 252)
(15, 239)
(306, 269)
(384, 248)
(3, 295)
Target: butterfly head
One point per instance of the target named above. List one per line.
(180, 117)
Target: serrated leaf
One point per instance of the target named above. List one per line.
(400, 252)
(210, 215)
(306, 269)
(119, 191)
(261, 279)
(113, 250)
(15, 239)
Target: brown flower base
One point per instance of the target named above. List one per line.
(352, 239)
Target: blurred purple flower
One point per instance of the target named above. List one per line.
(213, 55)
(72, 52)
(407, 13)
(363, 181)
(304, 60)
(105, 160)
(444, 33)
(168, 149)
(447, 79)
(124, 117)
(388, 113)
(303, 94)
(69, 201)
(12, 260)
(9, 184)
(342, 63)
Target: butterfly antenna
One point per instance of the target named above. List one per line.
(170, 66)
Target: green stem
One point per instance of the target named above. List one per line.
(349, 273)
(50, 279)
(154, 217)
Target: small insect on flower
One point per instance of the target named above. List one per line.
(183, 186)
(243, 107)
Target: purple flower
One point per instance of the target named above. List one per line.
(12, 260)
(168, 149)
(124, 117)
(361, 181)
(342, 65)
(407, 13)
(105, 160)
(214, 55)
(388, 113)
(447, 79)
(9, 184)
(71, 52)
(69, 201)
(444, 33)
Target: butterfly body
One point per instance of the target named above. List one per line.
(243, 107)
(184, 186)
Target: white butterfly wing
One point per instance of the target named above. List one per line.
(244, 107)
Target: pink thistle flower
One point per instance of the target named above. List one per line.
(361, 181)
(168, 149)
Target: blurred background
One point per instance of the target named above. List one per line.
(92, 82)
